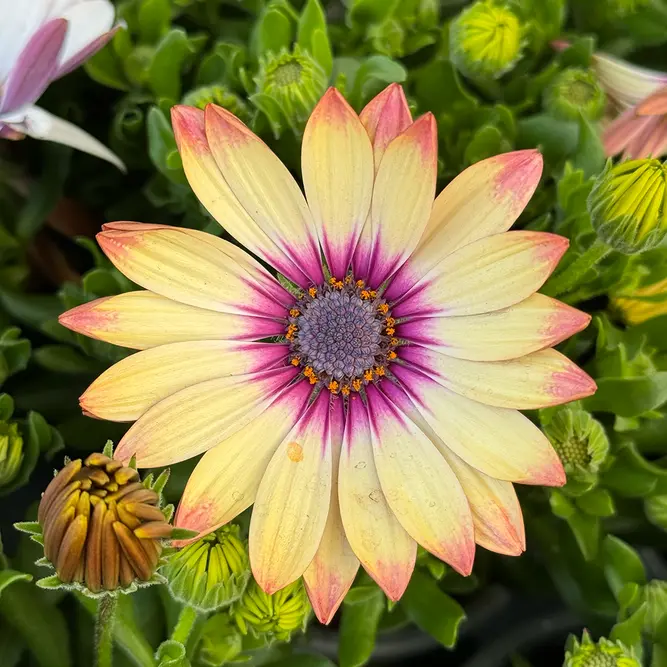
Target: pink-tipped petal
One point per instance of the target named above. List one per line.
(265, 188)
(483, 200)
(334, 567)
(526, 327)
(214, 193)
(129, 388)
(225, 481)
(35, 67)
(420, 486)
(292, 503)
(337, 166)
(489, 274)
(402, 197)
(198, 418)
(194, 268)
(537, 380)
(377, 538)
(655, 104)
(500, 442)
(141, 320)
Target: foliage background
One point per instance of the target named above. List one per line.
(591, 549)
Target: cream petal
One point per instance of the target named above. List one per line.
(194, 268)
(142, 320)
(334, 567)
(536, 380)
(129, 388)
(265, 188)
(377, 538)
(483, 200)
(489, 274)
(225, 481)
(499, 442)
(337, 166)
(197, 418)
(213, 191)
(402, 197)
(292, 503)
(529, 325)
(419, 485)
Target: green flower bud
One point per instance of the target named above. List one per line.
(485, 40)
(575, 91)
(220, 641)
(655, 595)
(288, 87)
(211, 572)
(620, 9)
(276, 616)
(627, 205)
(200, 97)
(601, 654)
(579, 440)
(11, 452)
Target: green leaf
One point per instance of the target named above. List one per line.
(556, 139)
(162, 146)
(629, 397)
(183, 534)
(126, 633)
(656, 511)
(586, 530)
(432, 610)
(629, 631)
(589, 155)
(374, 74)
(273, 32)
(172, 654)
(40, 624)
(171, 54)
(6, 407)
(302, 660)
(65, 359)
(312, 35)
(365, 12)
(154, 18)
(598, 502)
(8, 577)
(621, 564)
(632, 475)
(362, 609)
(106, 68)
(30, 527)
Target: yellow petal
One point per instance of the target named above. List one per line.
(334, 567)
(402, 197)
(292, 503)
(214, 193)
(225, 481)
(337, 166)
(142, 320)
(129, 388)
(536, 380)
(529, 325)
(484, 199)
(265, 188)
(499, 442)
(420, 486)
(492, 273)
(195, 419)
(382, 545)
(194, 268)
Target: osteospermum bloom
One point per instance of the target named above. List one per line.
(377, 406)
(40, 41)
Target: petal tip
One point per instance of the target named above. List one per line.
(565, 322)
(518, 176)
(571, 384)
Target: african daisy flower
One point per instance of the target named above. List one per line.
(378, 406)
(40, 41)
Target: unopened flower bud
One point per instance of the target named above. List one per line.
(628, 205)
(579, 440)
(573, 92)
(604, 653)
(485, 40)
(288, 87)
(643, 303)
(655, 596)
(200, 97)
(277, 615)
(101, 526)
(211, 572)
(11, 452)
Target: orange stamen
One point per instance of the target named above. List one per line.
(393, 341)
(345, 390)
(392, 355)
(312, 379)
(333, 387)
(383, 308)
(294, 312)
(308, 371)
(373, 293)
(295, 361)
(365, 294)
(359, 283)
(390, 320)
(391, 331)
(313, 292)
(356, 385)
(379, 371)
(368, 375)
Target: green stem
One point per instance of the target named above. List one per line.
(186, 621)
(575, 272)
(106, 611)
